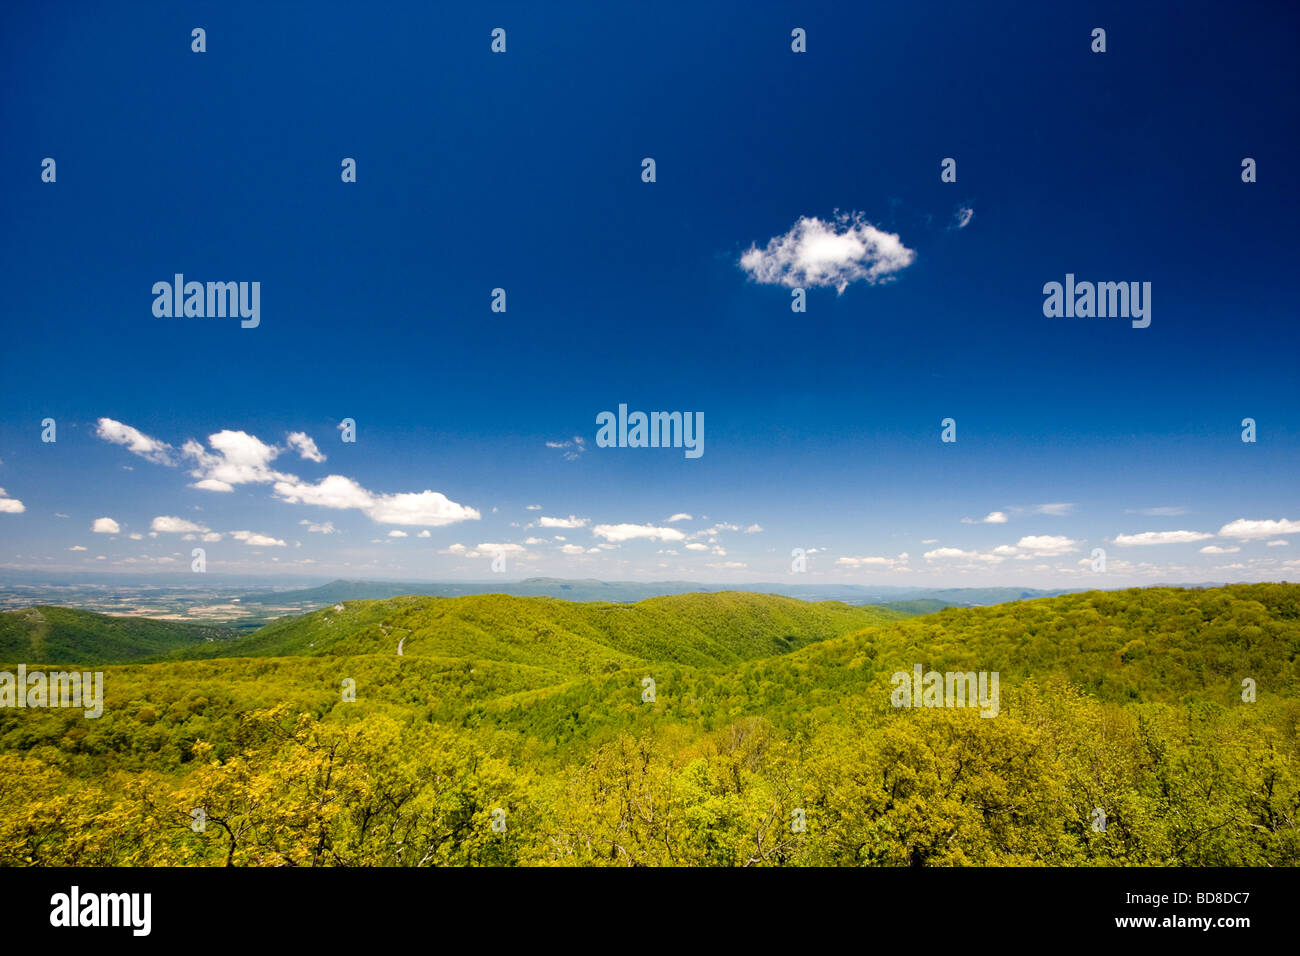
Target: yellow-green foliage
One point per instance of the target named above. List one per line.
(530, 712)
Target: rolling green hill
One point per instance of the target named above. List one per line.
(58, 635)
(313, 732)
(564, 636)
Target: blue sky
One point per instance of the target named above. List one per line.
(523, 171)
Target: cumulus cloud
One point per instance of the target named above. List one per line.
(754, 529)
(1215, 549)
(237, 458)
(680, 516)
(485, 550)
(105, 526)
(1160, 537)
(10, 506)
(305, 445)
(411, 508)
(135, 441)
(323, 527)
(257, 540)
(993, 517)
(77, 547)
(173, 525)
(627, 532)
(396, 534)
(819, 253)
(573, 521)
(1245, 529)
(1279, 543)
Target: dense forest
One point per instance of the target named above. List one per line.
(722, 729)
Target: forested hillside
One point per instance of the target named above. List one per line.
(722, 729)
(60, 635)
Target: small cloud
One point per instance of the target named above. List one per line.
(173, 525)
(574, 447)
(77, 547)
(257, 540)
(680, 516)
(1279, 543)
(305, 445)
(573, 521)
(1215, 549)
(425, 534)
(1160, 537)
(819, 253)
(993, 517)
(105, 526)
(1245, 529)
(397, 534)
(961, 219)
(321, 527)
(10, 506)
(135, 441)
(533, 507)
(754, 529)
(618, 533)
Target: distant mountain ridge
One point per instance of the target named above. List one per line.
(633, 591)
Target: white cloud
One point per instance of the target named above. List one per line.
(1047, 545)
(575, 446)
(697, 546)
(136, 441)
(1278, 544)
(1215, 549)
(397, 534)
(939, 553)
(963, 217)
(485, 550)
(323, 527)
(532, 507)
(572, 549)
(257, 540)
(237, 458)
(1160, 537)
(1245, 529)
(993, 517)
(680, 516)
(872, 561)
(426, 533)
(572, 521)
(754, 529)
(212, 536)
(305, 445)
(627, 532)
(136, 536)
(105, 526)
(212, 484)
(819, 253)
(77, 547)
(336, 491)
(10, 506)
(1059, 508)
(174, 525)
